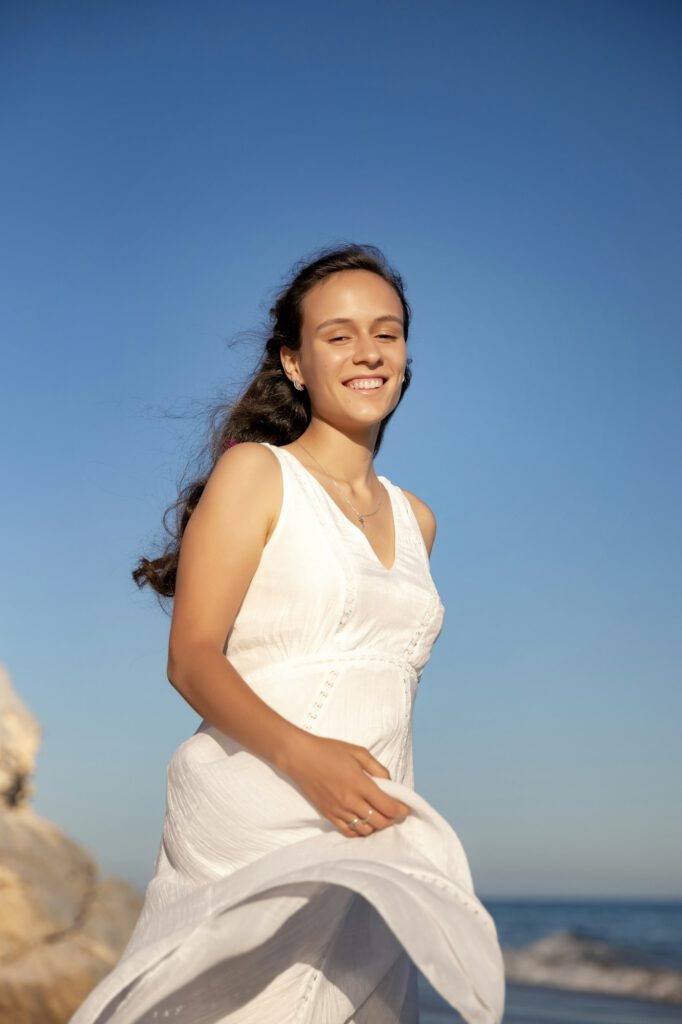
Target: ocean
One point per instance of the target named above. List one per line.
(583, 962)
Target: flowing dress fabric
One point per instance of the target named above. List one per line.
(259, 910)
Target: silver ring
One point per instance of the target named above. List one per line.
(356, 821)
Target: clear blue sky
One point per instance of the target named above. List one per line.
(164, 166)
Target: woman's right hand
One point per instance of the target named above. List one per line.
(335, 776)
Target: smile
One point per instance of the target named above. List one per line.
(365, 384)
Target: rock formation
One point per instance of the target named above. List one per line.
(62, 927)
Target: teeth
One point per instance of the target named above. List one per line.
(367, 384)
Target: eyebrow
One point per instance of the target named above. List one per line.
(347, 320)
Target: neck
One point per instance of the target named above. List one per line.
(342, 457)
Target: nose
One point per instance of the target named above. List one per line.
(367, 348)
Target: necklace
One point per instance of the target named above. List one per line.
(361, 515)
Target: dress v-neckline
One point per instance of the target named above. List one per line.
(351, 526)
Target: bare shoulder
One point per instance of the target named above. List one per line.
(248, 472)
(425, 517)
(249, 456)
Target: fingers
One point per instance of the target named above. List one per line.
(357, 831)
(370, 763)
(376, 820)
(370, 820)
(361, 827)
(387, 806)
(381, 808)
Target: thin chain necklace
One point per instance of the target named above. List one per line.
(361, 515)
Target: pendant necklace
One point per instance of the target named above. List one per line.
(361, 515)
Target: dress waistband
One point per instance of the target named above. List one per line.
(322, 657)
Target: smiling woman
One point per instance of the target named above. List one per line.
(299, 876)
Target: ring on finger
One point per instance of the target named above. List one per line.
(357, 821)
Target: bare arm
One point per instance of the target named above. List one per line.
(220, 551)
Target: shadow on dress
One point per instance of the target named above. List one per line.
(335, 935)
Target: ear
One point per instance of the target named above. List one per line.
(289, 362)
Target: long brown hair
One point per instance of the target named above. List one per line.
(270, 409)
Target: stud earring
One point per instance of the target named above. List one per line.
(298, 385)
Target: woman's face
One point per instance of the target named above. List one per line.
(368, 343)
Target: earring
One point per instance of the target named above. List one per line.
(298, 385)
(402, 378)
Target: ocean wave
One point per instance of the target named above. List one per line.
(571, 960)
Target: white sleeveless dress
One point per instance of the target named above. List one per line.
(259, 910)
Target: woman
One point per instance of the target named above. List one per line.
(299, 875)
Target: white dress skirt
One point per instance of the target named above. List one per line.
(259, 910)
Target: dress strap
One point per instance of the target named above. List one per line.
(411, 528)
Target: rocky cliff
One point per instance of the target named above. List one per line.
(62, 926)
